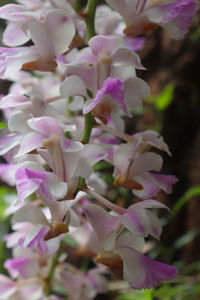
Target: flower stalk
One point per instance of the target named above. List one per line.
(90, 13)
(49, 277)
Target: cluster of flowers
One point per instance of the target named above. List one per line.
(70, 91)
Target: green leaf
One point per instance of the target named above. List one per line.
(89, 93)
(101, 165)
(4, 254)
(69, 241)
(59, 290)
(196, 35)
(185, 239)
(4, 2)
(195, 191)
(165, 98)
(137, 295)
(3, 125)
(108, 178)
(7, 196)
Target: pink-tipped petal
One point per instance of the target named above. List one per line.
(143, 272)
(104, 43)
(101, 221)
(30, 142)
(47, 126)
(14, 35)
(112, 87)
(24, 267)
(45, 183)
(151, 137)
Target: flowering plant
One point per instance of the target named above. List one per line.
(74, 79)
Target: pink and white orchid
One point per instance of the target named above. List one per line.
(73, 85)
(123, 251)
(143, 15)
(110, 79)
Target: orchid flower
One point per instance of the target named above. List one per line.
(123, 251)
(143, 15)
(83, 286)
(108, 22)
(110, 78)
(42, 55)
(133, 172)
(13, 290)
(72, 85)
(46, 234)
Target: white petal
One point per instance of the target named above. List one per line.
(110, 240)
(31, 214)
(60, 30)
(150, 204)
(41, 39)
(18, 122)
(14, 35)
(145, 162)
(135, 90)
(73, 86)
(132, 239)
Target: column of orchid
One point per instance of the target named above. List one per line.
(74, 78)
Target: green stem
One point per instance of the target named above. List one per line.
(89, 120)
(69, 113)
(88, 125)
(90, 12)
(77, 5)
(47, 287)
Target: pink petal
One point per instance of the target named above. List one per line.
(14, 35)
(151, 137)
(149, 204)
(101, 221)
(123, 55)
(7, 173)
(46, 126)
(30, 142)
(143, 272)
(165, 182)
(175, 16)
(153, 183)
(15, 62)
(114, 88)
(134, 44)
(45, 183)
(106, 44)
(22, 266)
(35, 238)
(14, 101)
(8, 11)
(136, 221)
(9, 142)
(140, 220)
